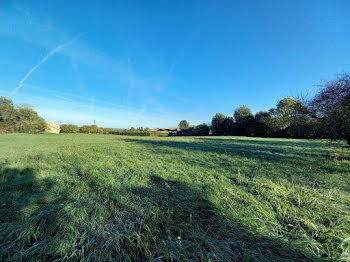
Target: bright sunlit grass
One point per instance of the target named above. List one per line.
(96, 197)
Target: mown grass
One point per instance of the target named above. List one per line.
(102, 197)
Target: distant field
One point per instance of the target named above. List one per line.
(104, 197)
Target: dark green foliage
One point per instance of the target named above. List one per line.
(130, 133)
(289, 119)
(127, 132)
(261, 120)
(184, 124)
(22, 119)
(200, 130)
(242, 113)
(287, 111)
(8, 116)
(187, 132)
(327, 116)
(331, 107)
(244, 121)
(106, 130)
(216, 124)
(228, 126)
(69, 128)
(92, 129)
(223, 126)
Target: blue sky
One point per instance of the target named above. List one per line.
(153, 63)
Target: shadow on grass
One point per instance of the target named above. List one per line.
(27, 215)
(205, 234)
(34, 225)
(253, 149)
(281, 142)
(20, 190)
(297, 161)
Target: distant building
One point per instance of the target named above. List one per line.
(52, 127)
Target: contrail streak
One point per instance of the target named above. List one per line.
(52, 52)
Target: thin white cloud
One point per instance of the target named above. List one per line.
(114, 69)
(51, 53)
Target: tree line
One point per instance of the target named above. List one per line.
(326, 115)
(94, 129)
(24, 119)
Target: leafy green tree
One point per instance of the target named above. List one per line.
(244, 120)
(27, 114)
(331, 106)
(21, 119)
(242, 113)
(184, 124)
(202, 130)
(216, 124)
(8, 115)
(228, 126)
(187, 132)
(288, 112)
(29, 121)
(261, 120)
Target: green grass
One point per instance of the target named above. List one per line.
(103, 197)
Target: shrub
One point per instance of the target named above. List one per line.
(22, 119)
(93, 129)
(130, 133)
(69, 128)
(200, 130)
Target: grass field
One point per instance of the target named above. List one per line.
(99, 197)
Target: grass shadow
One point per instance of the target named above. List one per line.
(41, 219)
(286, 153)
(28, 214)
(204, 234)
(281, 142)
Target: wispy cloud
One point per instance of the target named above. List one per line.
(134, 94)
(51, 53)
(115, 69)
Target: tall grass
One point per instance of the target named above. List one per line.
(118, 198)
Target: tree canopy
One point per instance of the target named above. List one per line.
(22, 119)
(184, 124)
(331, 106)
(216, 123)
(242, 113)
